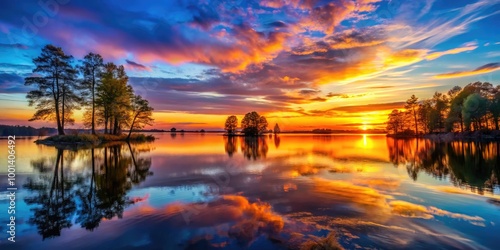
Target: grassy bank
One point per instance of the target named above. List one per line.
(83, 140)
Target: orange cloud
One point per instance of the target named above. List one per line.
(247, 47)
(490, 67)
(404, 57)
(436, 55)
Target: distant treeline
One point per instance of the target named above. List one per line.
(476, 107)
(6, 130)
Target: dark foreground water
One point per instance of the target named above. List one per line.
(197, 191)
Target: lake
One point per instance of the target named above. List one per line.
(292, 191)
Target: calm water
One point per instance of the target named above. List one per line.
(198, 191)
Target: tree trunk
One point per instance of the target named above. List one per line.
(63, 106)
(131, 127)
(461, 124)
(416, 124)
(105, 124)
(115, 130)
(55, 92)
(93, 105)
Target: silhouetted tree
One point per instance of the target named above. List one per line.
(231, 124)
(277, 129)
(411, 107)
(424, 115)
(254, 124)
(395, 124)
(140, 114)
(92, 69)
(54, 81)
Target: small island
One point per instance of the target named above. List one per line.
(62, 86)
(252, 125)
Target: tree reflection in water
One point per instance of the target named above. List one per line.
(54, 197)
(100, 192)
(253, 148)
(475, 165)
(230, 145)
(277, 141)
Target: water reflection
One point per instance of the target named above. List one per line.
(210, 191)
(254, 148)
(101, 192)
(230, 145)
(277, 141)
(53, 197)
(474, 165)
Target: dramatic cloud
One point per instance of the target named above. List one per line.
(285, 58)
(487, 68)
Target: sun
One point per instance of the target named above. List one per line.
(364, 127)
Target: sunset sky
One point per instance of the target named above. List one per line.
(302, 63)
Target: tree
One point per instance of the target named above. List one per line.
(231, 124)
(173, 130)
(70, 100)
(92, 69)
(411, 107)
(439, 107)
(277, 129)
(494, 107)
(395, 122)
(113, 98)
(424, 111)
(475, 107)
(457, 97)
(254, 124)
(54, 81)
(140, 114)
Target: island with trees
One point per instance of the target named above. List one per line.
(61, 86)
(252, 125)
(471, 112)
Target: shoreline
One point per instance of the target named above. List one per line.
(455, 136)
(91, 141)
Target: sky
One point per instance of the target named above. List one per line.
(303, 64)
